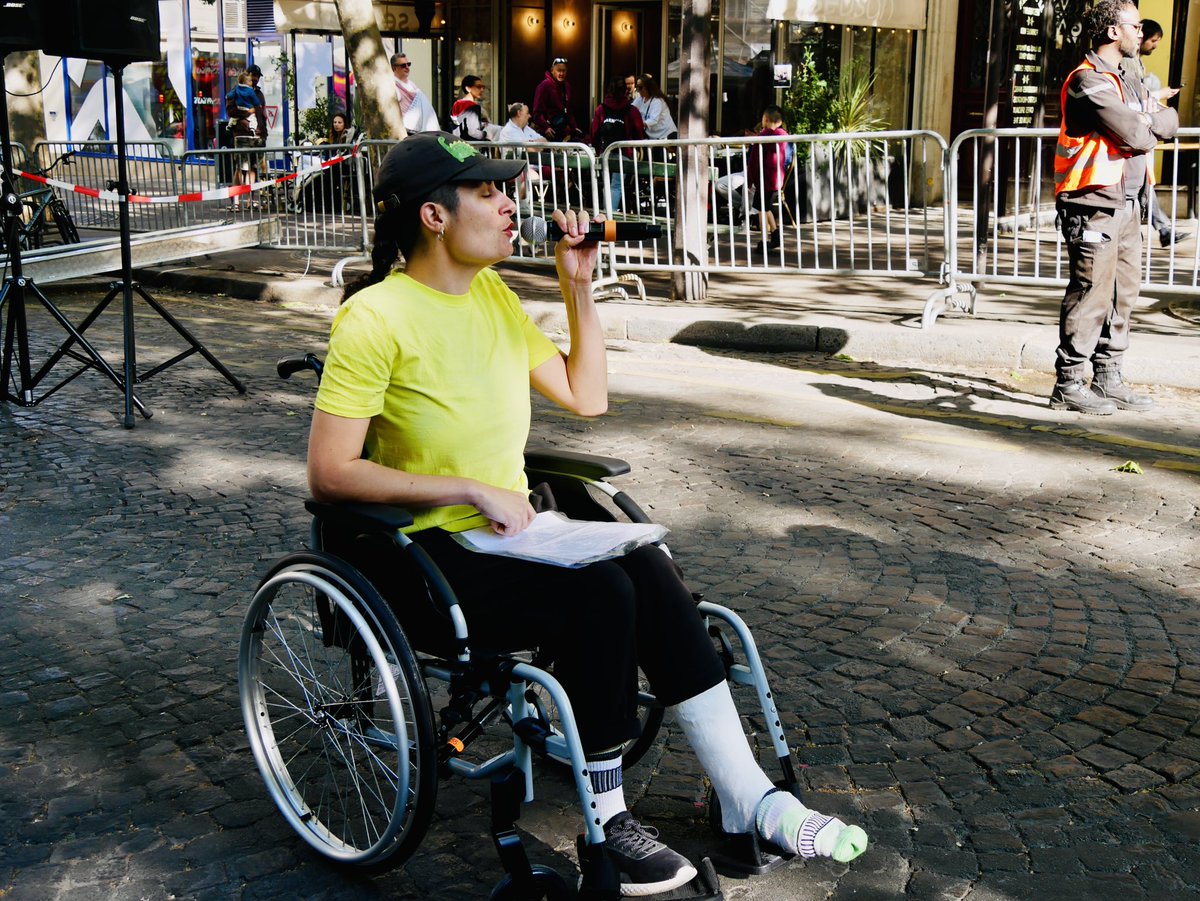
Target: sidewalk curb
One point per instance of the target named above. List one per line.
(954, 341)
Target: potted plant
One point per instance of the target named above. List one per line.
(843, 178)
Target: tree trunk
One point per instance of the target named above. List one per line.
(694, 68)
(22, 77)
(372, 73)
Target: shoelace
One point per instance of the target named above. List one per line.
(634, 838)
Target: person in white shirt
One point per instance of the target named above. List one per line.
(650, 101)
(414, 105)
(517, 131)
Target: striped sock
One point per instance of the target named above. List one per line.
(784, 821)
(606, 774)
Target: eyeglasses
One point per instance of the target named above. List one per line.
(1136, 26)
(558, 61)
(402, 66)
(477, 84)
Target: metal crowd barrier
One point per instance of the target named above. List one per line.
(19, 157)
(558, 176)
(849, 204)
(152, 168)
(1001, 219)
(317, 209)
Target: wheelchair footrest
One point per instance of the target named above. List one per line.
(744, 854)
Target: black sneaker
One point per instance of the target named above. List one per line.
(1169, 236)
(646, 865)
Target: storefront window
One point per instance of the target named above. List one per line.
(746, 72)
(206, 98)
(884, 52)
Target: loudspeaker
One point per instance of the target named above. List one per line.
(21, 25)
(115, 31)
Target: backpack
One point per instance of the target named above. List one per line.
(611, 130)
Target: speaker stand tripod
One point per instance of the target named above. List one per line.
(19, 388)
(126, 287)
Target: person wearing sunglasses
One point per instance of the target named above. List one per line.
(470, 121)
(1110, 123)
(552, 115)
(414, 105)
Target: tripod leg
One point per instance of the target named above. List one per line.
(130, 352)
(16, 339)
(75, 336)
(190, 339)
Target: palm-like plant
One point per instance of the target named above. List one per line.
(851, 110)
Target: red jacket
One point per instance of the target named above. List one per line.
(773, 169)
(552, 100)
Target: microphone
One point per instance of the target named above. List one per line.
(537, 230)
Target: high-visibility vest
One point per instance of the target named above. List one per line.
(1090, 161)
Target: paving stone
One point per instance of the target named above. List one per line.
(994, 667)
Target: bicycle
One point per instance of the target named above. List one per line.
(45, 210)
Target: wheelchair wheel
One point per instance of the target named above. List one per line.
(337, 712)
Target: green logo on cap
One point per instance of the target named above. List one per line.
(460, 150)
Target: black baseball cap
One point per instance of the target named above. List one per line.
(430, 159)
(254, 70)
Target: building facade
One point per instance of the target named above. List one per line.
(928, 59)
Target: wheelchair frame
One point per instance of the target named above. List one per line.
(339, 719)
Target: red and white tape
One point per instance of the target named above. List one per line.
(194, 196)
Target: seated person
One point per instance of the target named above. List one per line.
(651, 102)
(766, 172)
(470, 121)
(517, 131)
(429, 372)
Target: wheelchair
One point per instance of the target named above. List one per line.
(339, 711)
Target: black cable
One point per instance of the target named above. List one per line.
(43, 87)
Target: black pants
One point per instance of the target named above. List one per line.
(598, 623)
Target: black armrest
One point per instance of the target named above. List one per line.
(573, 463)
(361, 517)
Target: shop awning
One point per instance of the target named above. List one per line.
(871, 13)
(321, 16)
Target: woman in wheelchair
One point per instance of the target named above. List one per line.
(424, 402)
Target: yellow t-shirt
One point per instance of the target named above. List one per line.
(444, 380)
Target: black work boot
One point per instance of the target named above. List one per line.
(1075, 396)
(1108, 383)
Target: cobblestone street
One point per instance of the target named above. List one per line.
(985, 639)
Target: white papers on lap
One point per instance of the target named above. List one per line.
(553, 538)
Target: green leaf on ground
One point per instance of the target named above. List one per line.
(1129, 466)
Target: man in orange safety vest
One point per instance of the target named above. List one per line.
(1109, 125)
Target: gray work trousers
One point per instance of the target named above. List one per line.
(1104, 248)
